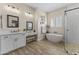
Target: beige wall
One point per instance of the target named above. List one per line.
(22, 17)
(59, 12)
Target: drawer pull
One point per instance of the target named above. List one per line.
(6, 37)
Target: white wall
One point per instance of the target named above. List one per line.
(22, 17)
(36, 19)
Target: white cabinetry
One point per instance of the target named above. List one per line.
(11, 42)
(19, 40)
(6, 44)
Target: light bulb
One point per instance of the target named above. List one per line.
(11, 9)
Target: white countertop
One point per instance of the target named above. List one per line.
(9, 33)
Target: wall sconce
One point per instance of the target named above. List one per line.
(12, 9)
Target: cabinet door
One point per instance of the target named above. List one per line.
(6, 44)
(20, 40)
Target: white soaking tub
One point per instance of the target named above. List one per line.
(54, 37)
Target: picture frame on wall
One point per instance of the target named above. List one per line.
(12, 21)
(42, 19)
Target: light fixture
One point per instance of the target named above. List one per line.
(12, 9)
(28, 14)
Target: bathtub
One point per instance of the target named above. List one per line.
(54, 37)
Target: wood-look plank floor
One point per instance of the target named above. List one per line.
(43, 47)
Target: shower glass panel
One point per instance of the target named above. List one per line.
(72, 31)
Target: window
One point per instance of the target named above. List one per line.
(53, 22)
(56, 21)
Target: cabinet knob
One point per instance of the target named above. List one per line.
(16, 39)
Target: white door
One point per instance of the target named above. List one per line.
(6, 44)
(72, 31)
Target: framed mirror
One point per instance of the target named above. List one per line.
(29, 25)
(12, 21)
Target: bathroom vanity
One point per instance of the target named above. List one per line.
(11, 41)
(31, 36)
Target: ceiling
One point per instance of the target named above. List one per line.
(47, 7)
